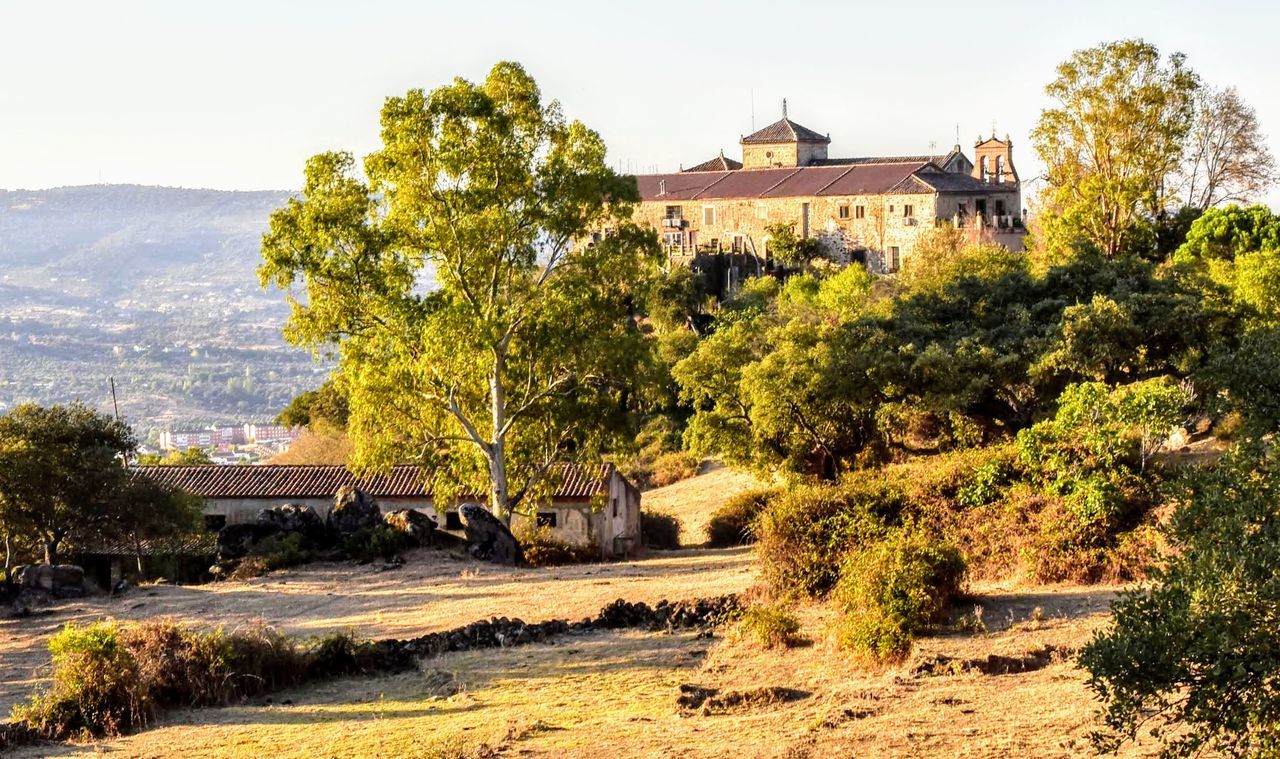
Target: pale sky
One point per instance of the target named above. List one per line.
(235, 94)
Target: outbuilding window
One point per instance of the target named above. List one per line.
(547, 519)
(452, 521)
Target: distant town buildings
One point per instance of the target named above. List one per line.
(220, 438)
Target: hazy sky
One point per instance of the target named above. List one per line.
(236, 94)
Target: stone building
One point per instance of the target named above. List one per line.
(868, 209)
(593, 505)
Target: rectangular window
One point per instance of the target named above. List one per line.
(999, 207)
(908, 211)
(844, 211)
(452, 521)
(891, 209)
(895, 258)
(860, 212)
(963, 209)
(673, 239)
(762, 212)
(708, 215)
(215, 522)
(674, 212)
(546, 519)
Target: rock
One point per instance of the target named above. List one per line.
(413, 523)
(235, 541)
(353, 511)
(302, 520)
(58, 580)
(490, 539)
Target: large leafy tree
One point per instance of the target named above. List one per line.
(481, 331)
(62, 473)
(1117, 132)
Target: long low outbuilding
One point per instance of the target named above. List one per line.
(591, 504)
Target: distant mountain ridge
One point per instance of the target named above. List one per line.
(156, 286)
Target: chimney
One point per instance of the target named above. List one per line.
(662, 187)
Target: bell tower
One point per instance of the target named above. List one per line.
(993, 160)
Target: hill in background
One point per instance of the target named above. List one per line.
(155, 286)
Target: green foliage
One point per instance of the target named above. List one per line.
(769, 626)
(733, 524)
(1116, 133)
(323, 408)
(1194, 656)
(525, 350)
(788, 248)
(660, 530)
(189, 457)
(112, 677)
(805, 532)
(62, 474)
(542, 549)
(377, 542)
(892, 590)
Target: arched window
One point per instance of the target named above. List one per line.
(999, 168)
(986, 174)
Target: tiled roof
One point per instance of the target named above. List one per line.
(862, 179)
(197, 544)
(290, 481)
(784, 130)
(943, 181)
(719, 163)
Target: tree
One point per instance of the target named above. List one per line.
(1238, 249)
(1112, 141)
(61, 472)
(1194, 658)
(789, 249)
(145, 511)
(480, 330)
(190, 457)
(1227, 157)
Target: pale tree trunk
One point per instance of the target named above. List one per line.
(8, 556)
(500, 498)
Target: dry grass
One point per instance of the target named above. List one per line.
(432, 592)
(694, 500)
(615, 695)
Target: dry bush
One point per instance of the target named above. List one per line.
(660, 530)
(771, 626)
(542, 549)
(109, 678)
(670, 468)
(733, 524)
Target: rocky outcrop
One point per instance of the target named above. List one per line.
(353, 511)
(236, 541)
(501, 632)
(302, 520)
(418, 526)
(58, 580)
(489, 538)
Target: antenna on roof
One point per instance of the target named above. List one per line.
(933, 144)
(957, 134)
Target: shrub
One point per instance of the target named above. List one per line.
(805, 531)
(733, 523)
(542, 549)
(109, 677)
(673, 467)
(894, 589)
(769, 626)
(377, 542)
(660, 530)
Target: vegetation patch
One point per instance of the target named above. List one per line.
(660, 530)
(696, 699)
(769, 626)
(542, 549)
(893, 590)
(733, 524)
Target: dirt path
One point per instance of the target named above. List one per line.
(694, 500)
(432, 591)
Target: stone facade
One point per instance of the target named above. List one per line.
(872, 210)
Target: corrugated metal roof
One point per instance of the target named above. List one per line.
(295, 481)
